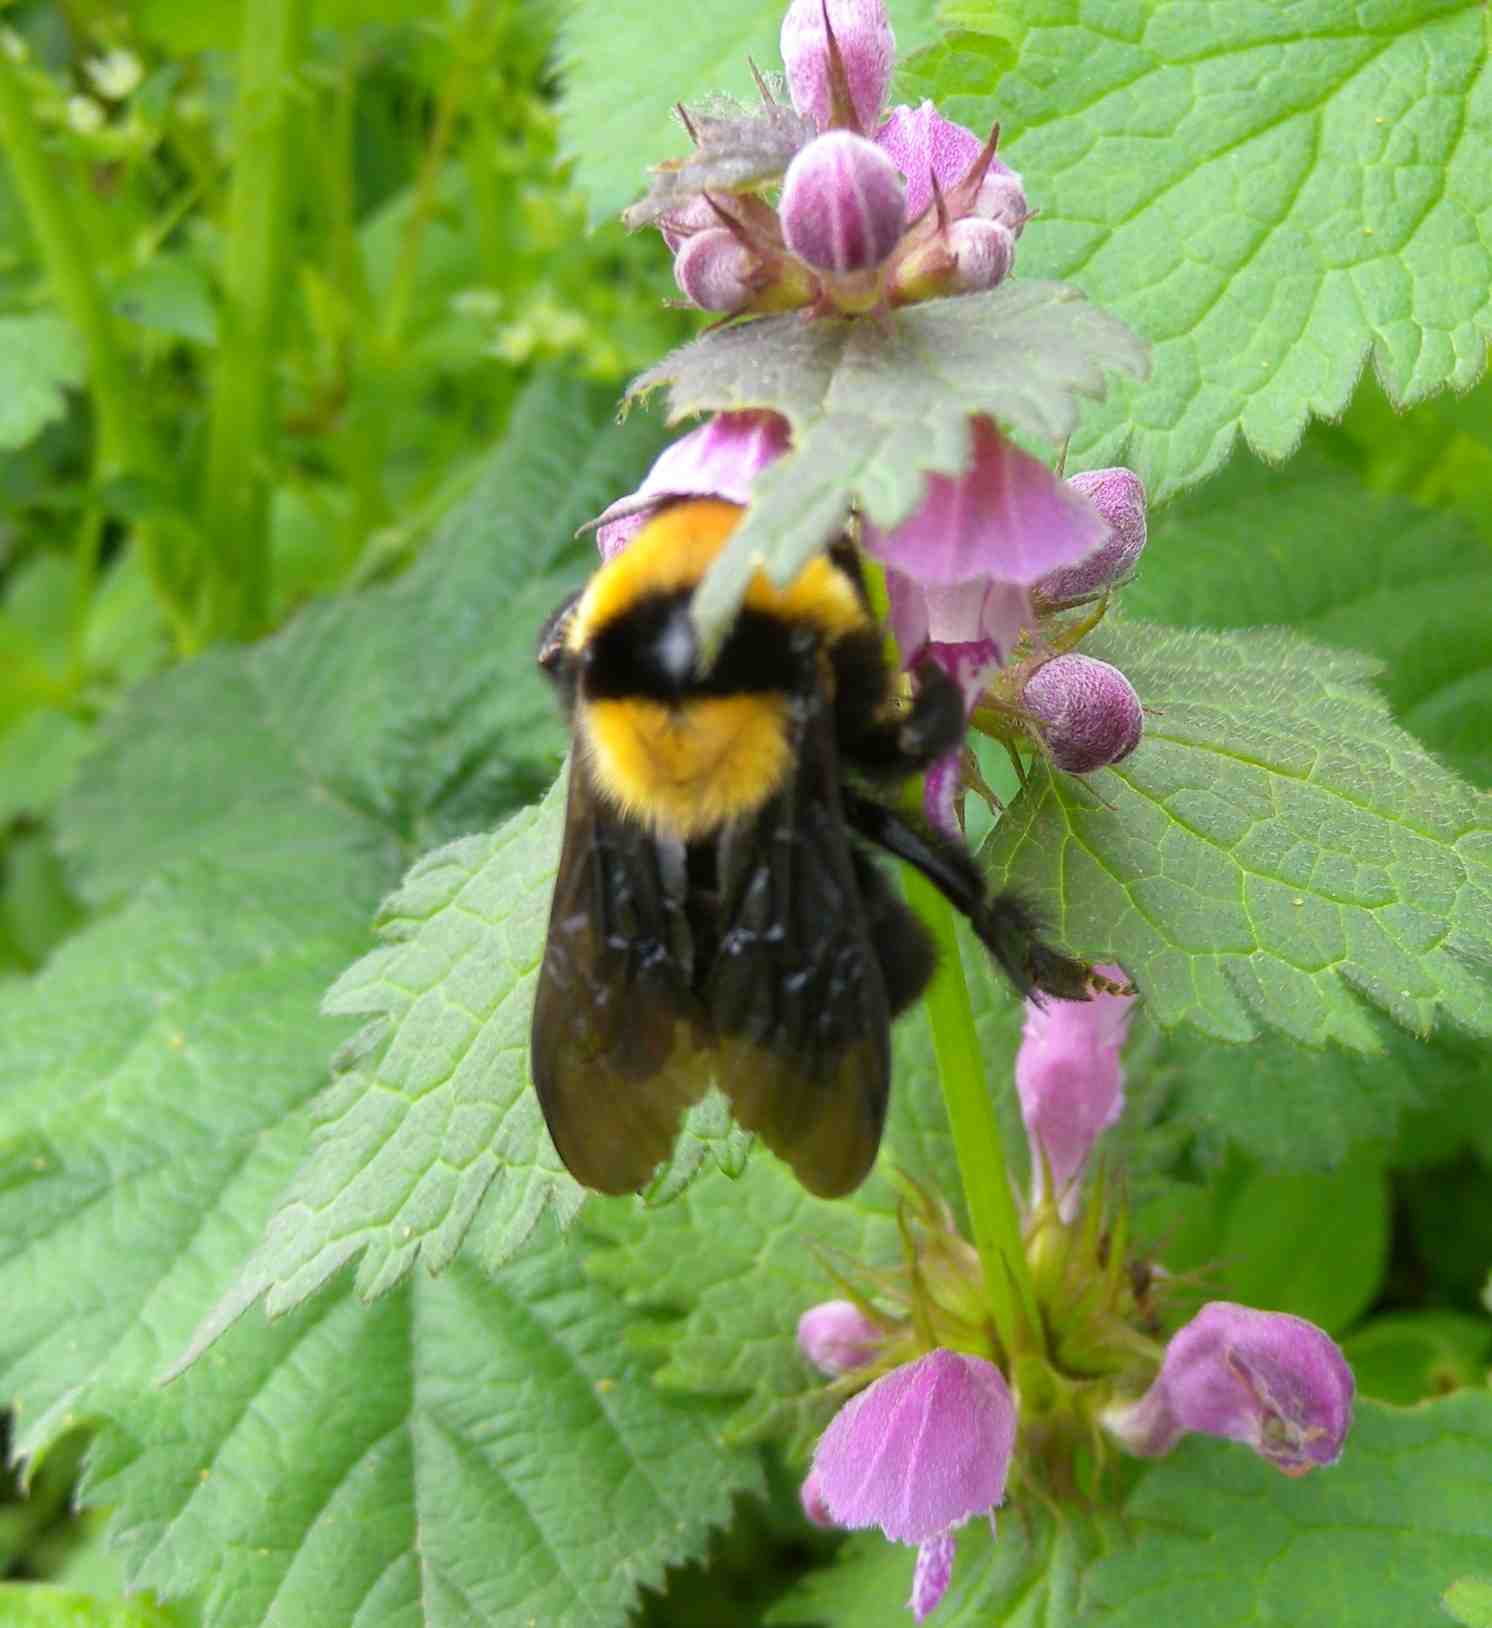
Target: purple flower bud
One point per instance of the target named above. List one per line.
(1002, 198)
(720, 459)
(837, 1336)
(867, 49)
(1070, 1083)
(925, 147)
(714, 270)
(1274, 1382)
(1089, 713)
(983, 252)
(841, 206)
(812, 1499)
(921, 1450)
(696, 214)
(1120, 500)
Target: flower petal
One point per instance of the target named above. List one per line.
(1007, 517)
(921, 1450)
(931, 1574)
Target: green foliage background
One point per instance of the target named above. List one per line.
(295, 433)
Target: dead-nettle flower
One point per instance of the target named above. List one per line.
(873, 212)
(918, 1453)
(836, 1337)
(961, 569)
(1087, 711)
(1120, 499)
(1274, 1382)
(1070, 1082)
(866, 47)
(720, 459)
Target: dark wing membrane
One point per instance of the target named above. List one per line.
(796, 992)
(616, 1026)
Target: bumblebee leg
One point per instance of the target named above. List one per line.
(1006, 926)
(903, 948)
(891, 747)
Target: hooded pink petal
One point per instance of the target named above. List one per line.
(921, 1450)
(1119, 497)
(720, 459)
(1272, 1381)
(1007, 517)
(923, 144)
(1070, 1083)
(867, 48)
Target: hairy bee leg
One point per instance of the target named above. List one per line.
(1004, 923)
(892, 748)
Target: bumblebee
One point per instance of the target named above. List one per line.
(718, 915)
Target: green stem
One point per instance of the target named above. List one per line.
(256, 274)
(51, 210)
(976, 1131)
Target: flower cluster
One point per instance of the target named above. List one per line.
(937, 1433)
(876, 210)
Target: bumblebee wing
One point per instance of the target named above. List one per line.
(616, 1025)
(796, 990)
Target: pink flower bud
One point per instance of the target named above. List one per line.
(696, 214)
(720, 459)
(1002, 198)
(1070, 1084)
(867, 49)
(841, 207)
(983, 252)
(837, 1336)
(1120, 500)
(813, 1503)
(1089, 713)
(714, 270)
(1274, 1382)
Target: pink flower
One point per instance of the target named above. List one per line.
(960, 570)
(918, 1453)
(1274, 1382)
(720, 459)
(1071, 1084)
(837, 1336)
(866, 48)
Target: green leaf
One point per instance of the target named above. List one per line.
(36, 1605)
(1274, 853)
(39, 756)
(878, 405)
(1309, 545)
(622, 80)
(1270, 198)
(432, 1102)
(470, 1450)
(40, 359)
(1469, 1601)
(1408, 1357)
(1220, 1537)
(1314, 1244)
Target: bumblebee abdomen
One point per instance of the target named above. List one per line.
(687, 769)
